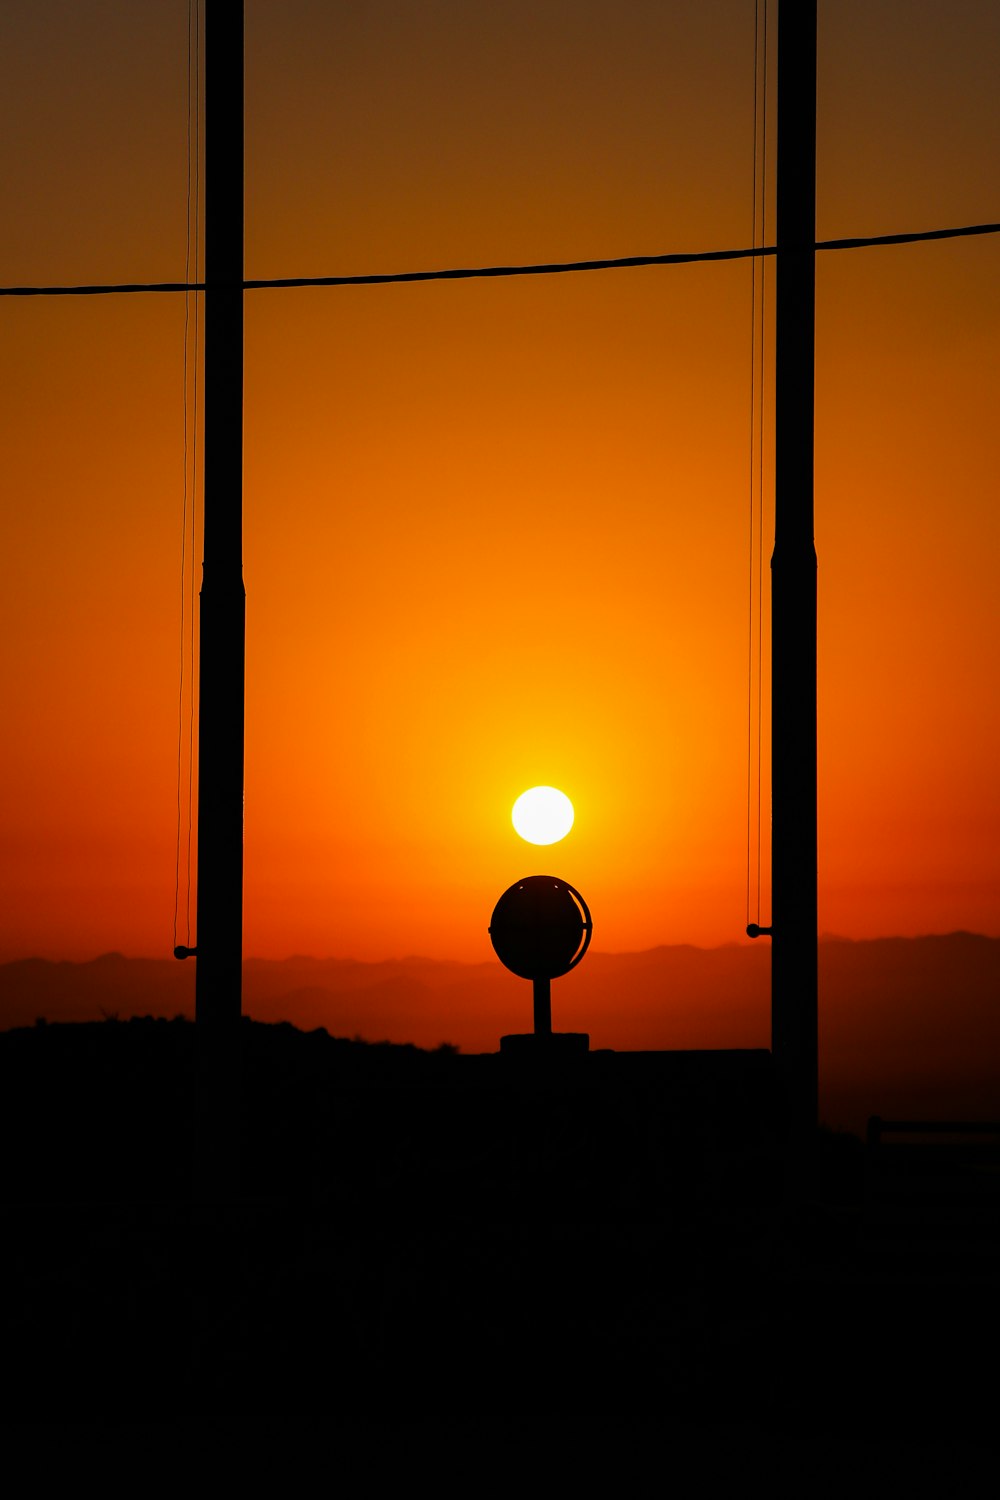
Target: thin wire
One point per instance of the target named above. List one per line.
(755, 588)
(190, 455)
(194, 449)
(760, 454)
(626, 262)
(184, 497)
(753, 381)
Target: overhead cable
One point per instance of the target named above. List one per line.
(470, 273)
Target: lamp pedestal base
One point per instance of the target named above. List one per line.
(545, 1044)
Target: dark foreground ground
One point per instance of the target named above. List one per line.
(424, 1242)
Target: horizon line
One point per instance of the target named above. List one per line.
(424, 958)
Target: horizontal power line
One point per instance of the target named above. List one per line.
(470, 273)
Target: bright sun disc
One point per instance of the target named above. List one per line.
(542, 815)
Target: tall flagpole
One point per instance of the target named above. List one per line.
(218, 988)
(794, 956)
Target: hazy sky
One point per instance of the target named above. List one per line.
(497, 532)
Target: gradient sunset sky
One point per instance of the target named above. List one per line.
(496, 533)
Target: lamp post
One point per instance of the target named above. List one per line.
(540, 929)
(222, 620)
(794, 951)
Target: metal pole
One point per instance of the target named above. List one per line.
(542, 1003)
(218, 988)
(793, 579)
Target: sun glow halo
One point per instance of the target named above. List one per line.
(542, 815)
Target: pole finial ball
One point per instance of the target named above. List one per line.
(541, 927)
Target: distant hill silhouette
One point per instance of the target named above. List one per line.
(907, 1025)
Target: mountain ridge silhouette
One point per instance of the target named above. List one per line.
(907, 1025)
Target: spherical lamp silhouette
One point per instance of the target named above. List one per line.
(540, 929)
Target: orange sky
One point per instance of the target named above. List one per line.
(496, 532)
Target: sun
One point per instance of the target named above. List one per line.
(542, 815)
